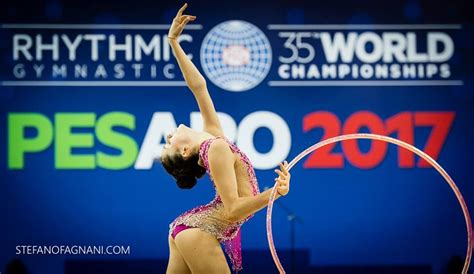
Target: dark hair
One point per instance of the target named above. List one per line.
(185, 171)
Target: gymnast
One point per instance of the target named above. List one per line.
(195, 236)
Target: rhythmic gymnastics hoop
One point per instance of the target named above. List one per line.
(377, 137)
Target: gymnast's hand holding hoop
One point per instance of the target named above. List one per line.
(283, 180)
(179, 22)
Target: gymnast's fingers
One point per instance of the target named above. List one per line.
(283, 167)
(282, 182)
(281, 174)
(181, 10)
(185, 22)
(191, 17)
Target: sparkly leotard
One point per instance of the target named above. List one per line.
(211, 217)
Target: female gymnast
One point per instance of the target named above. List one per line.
(195, 235)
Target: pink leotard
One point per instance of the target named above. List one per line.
(211, 217)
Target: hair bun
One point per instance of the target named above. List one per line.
(185, 171)
(186, 182)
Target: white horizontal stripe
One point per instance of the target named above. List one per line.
(367, 26)
(96, 83)
(94, 26)
(297, 83)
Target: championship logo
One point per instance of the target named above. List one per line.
(236, 55)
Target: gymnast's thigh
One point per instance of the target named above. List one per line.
(176, 263)
(201, 251)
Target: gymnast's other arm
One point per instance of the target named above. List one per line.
(192, 76)
(221, 163)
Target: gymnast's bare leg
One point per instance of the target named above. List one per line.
(201, 252)
(176, 262)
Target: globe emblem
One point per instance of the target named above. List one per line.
(236, 55)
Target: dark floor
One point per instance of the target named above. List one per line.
(255, 261)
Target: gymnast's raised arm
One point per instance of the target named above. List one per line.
(192, 76)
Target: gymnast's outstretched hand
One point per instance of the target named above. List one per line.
(283, 180)
(179, 22)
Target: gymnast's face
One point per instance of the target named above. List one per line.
(178, 141)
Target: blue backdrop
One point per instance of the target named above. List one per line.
(299, 71)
